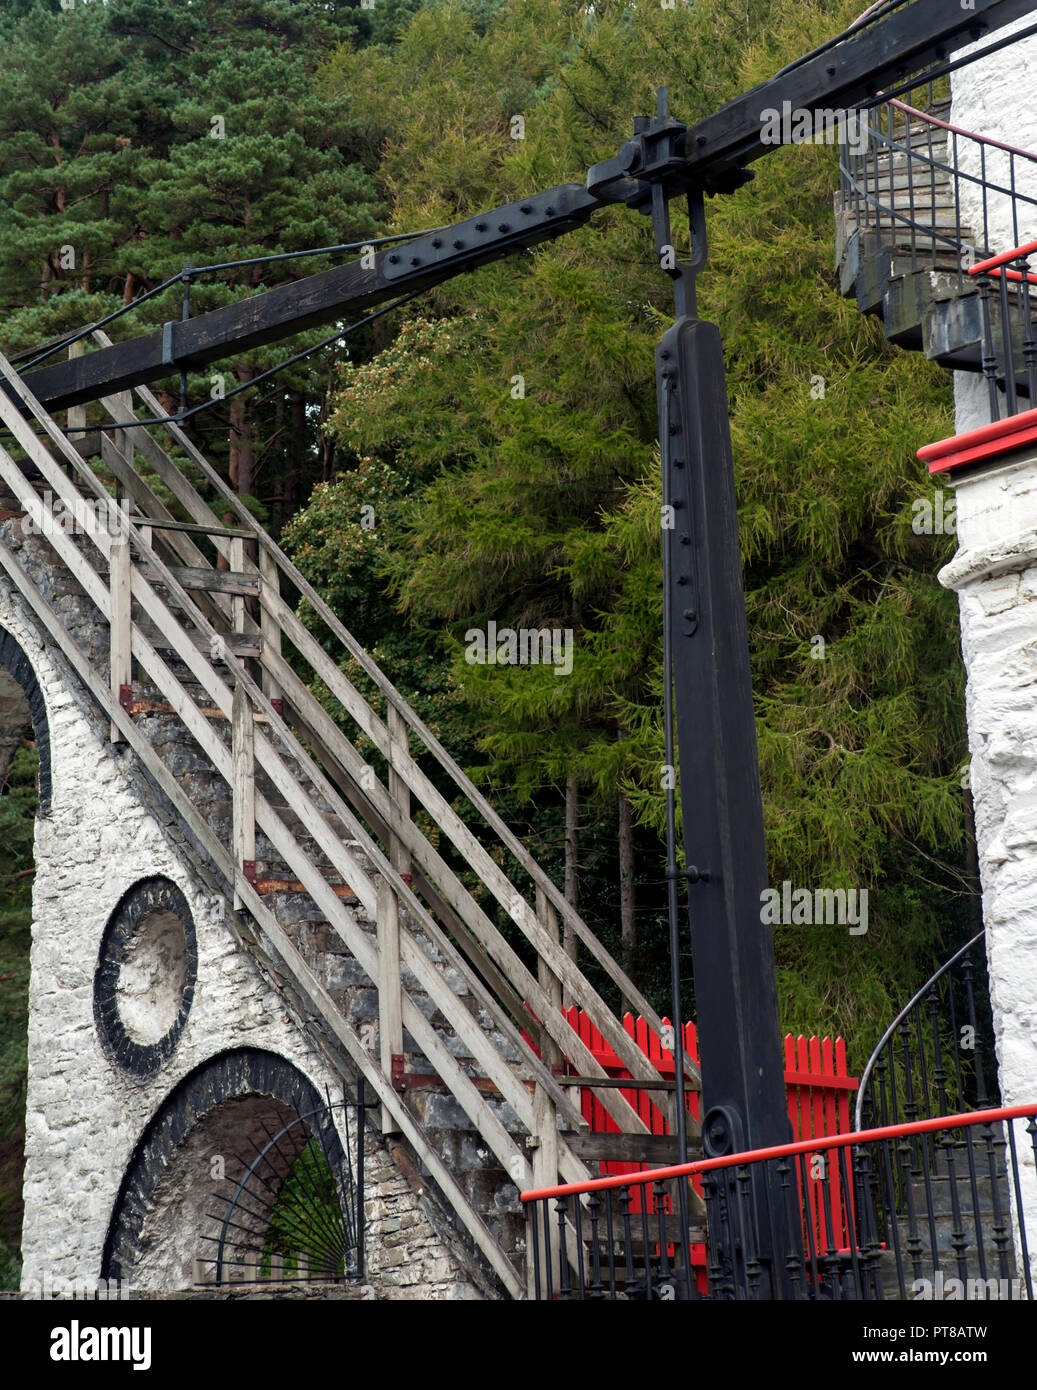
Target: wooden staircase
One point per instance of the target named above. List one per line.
(390, 946)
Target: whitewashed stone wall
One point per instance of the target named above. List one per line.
(85, 1115)
(995, 576)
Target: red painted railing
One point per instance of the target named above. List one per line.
(817, 1085)
(738, 1160)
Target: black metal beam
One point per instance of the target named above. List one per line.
(318, 299)
(717, 149)
(711, 156)
(851, 72)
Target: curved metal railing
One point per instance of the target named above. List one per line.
(937, 1056)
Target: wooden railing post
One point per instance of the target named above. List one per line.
(399, 854)
(76, 420)
(545, 1112)
(120, 657)
(237, 564)
(390, 995)
(243, 788)
(269, 627)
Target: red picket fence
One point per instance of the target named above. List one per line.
(817, 1085)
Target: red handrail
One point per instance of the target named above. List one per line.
(802, 1146)
(1019, 254)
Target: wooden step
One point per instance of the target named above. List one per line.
(211, 581)
(291, 885)
(135, 706)
(671, 1229)
(656, 1149)
(236, 643)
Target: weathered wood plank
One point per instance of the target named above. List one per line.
(120, 657)
(269, 627)
(243, 783)
(390, 990)
(660, 1149)
(210, 581)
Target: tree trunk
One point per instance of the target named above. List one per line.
(627, 898)
(296, 454)
(572, 873)
(242, 478)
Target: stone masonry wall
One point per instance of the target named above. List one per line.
(85, 1114)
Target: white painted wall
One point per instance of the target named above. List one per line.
(83, 1114)
(995, 576)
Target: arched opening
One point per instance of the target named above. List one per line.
(240, 1176)
(24, 793)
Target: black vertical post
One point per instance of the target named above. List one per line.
(744, 1100)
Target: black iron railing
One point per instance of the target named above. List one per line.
(1007, 286)
(845, 1231)
(940, 192)
(937, 1056)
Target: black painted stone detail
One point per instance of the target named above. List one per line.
(229, 1076)
(145, 897)
(14, 660)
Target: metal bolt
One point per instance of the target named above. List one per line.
(480, 226)
(665, 354)
(394, 258)
(504, 227)
(415, 260)
(675, 429)
(525, 209)
(458, 244)
(437, 242)
(690, 615)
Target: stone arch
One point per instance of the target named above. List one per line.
(17, 678)
(169, 1198)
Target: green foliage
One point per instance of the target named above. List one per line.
(306, 1219)
(544, 510)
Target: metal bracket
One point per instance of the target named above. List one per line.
(126, 698)
(692, 874)
(397, 1075)
(248, 869)
(168, 360)
(654, 158)
(493, 234)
